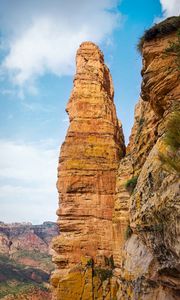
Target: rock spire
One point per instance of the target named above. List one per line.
(88, 163)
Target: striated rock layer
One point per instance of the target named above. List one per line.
(119, 219)
(88, 163)
(147, 267)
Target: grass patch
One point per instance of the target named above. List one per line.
(131, 184)
(159, 30)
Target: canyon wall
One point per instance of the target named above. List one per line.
(119, 212)
(25, 261)
(18, 237)
(147, 267)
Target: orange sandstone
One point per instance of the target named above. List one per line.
(87, 169)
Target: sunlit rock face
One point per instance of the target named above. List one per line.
(118, 243)
(147, 267)
(160, 74)
(87, 169)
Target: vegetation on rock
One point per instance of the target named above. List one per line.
(102, 273)
(131, 184)
(152, 207)
(128, 232)
(159, 30)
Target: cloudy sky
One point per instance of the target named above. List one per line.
(38, 42)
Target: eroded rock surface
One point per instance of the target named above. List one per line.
(88, 163)
(116, 242)
(150, 256)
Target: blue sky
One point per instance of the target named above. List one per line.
(39, 40)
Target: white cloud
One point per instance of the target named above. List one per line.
(44, 35)
(28, 181)
(170, 8)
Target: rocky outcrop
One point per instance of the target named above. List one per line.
(87, 169)
(119, 215)
(150, 256)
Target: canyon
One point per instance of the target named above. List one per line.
(119, 206)
(25, 260)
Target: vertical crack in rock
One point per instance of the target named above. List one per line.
(87, 169)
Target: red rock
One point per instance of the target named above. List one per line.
(88, 164)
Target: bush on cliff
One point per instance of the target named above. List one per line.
(103, 274)
(161, 29)
(131, 184)
(128, 232)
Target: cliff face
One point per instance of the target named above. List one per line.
(149, 258)
(119, 215)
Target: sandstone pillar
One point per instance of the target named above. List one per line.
(88, 163)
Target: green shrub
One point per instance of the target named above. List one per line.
(131, 184)
(90, 263)
(128, 232)
(103, 274)
(161, 29)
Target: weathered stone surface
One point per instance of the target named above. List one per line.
(143, 136)
(160, 85)
(93, 218)
(87, 169)
(150, 256)
(86, 282)
(121, 210)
